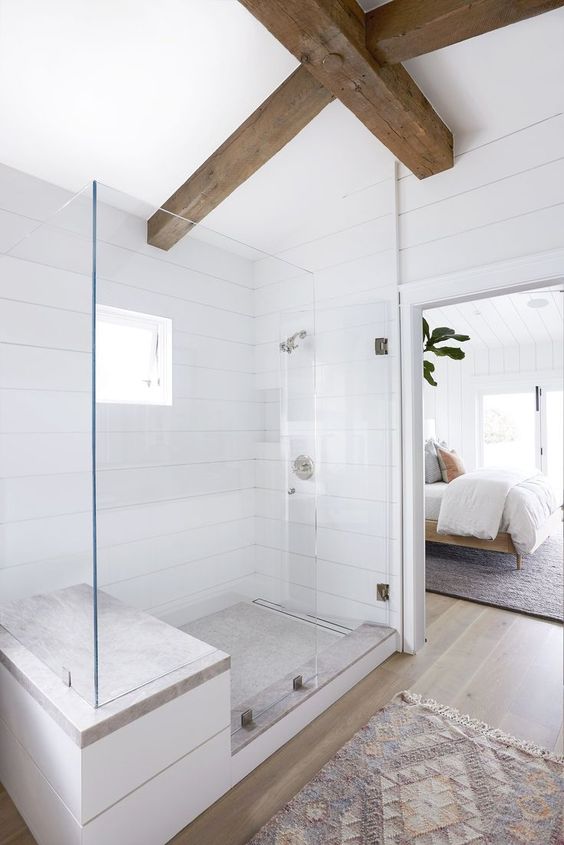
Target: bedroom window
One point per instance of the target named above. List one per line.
(523, 428)
(509, 429)
(133, 357)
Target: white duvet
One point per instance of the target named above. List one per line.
(483, 502)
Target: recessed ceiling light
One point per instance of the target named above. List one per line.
(537, 302)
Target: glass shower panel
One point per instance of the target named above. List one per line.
(354, 433)
(286, 485)
(284, 590)
(153, 517)
(189, 470)
(47, 556)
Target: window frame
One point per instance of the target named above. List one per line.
(515, 383)
(162, 327)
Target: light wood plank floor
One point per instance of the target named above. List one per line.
(498, 666)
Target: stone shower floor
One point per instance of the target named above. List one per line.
(265, 645)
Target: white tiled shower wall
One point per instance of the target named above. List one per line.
(181, 489)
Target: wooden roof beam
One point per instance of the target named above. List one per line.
(402, 29)
(329, 38)
(292, 106)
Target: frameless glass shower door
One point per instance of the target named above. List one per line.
(355, 427)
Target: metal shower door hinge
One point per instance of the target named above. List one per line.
(246, 718)
(297, 682)
(66, 676)
(383, 592)
(381, 345)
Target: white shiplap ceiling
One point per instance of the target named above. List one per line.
(506, 321)
(137, 94)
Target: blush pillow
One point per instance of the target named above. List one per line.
(450, 463)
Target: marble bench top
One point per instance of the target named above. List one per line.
(143, 662)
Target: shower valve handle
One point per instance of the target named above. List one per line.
(303, 467)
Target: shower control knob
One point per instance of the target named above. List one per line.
(303, 467)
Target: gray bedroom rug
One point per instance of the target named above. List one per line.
(491, 577)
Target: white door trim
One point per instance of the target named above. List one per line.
(502, 277)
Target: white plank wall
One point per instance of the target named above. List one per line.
(502, 200)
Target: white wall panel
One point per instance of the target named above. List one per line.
(503, 199)
(36, 368)
(131, 449)
(502, 158)
(537, 231)
(514, 196)
(37, 325)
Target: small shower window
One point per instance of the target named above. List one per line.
(133, 357)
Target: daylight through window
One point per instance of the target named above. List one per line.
(133, 360)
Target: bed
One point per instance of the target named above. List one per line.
(529, 513)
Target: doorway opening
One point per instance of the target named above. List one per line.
(492, 415)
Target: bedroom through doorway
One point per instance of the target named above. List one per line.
(493, 431)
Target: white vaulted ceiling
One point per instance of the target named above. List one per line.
(138, 93)
(506, 321)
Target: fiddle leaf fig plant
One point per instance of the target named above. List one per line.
(430, 347)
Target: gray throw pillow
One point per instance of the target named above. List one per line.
(432, 467)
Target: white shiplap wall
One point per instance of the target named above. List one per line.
(501, 200)
(175, 484)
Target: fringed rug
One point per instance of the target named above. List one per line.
(422, 773)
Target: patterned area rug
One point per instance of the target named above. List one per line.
(492, 578)
(422, 773)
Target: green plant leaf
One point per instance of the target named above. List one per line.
(460, 337)
(450, 352)
(429, 368)
(430, 341)
(426, 333)
(441, 332)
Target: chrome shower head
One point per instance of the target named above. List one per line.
(291, 342)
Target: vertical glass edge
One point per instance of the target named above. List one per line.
(93, 450)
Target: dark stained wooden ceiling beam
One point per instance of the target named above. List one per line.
(329, 38)
(292, 106)
(402, 29)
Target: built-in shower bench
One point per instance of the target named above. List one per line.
(136, 769)
(133, 771)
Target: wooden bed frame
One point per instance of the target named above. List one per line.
(503, 541)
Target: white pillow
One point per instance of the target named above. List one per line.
(432, 467)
